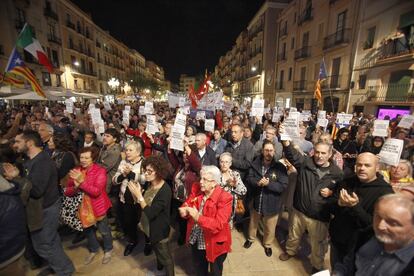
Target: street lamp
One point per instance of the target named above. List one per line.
(113, 83)
(254, 69)
(127, 88)
(76, 63)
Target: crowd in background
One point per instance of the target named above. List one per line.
(58, 170)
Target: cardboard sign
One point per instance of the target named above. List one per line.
(381, 128)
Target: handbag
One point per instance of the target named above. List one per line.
(240, 210)
(86, 214)
(69, 211)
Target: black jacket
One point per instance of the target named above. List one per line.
(278, 180)
(348, 221)
(209, 157)
(307, 198)
(242, 156)
(12, 225)
(158, 214)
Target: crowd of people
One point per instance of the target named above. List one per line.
(59, 170)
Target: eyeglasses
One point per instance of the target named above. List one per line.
(149, 171)
(225, 162)
(206, 180)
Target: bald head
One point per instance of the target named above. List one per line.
(366, 167)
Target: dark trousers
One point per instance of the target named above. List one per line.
(337, 254)
(201, 264)
(182, 223)
(164, 257)
(129, 216)
(47, 242)
(105, 231)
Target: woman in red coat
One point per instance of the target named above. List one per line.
(140, 132)
(90, 178)
(208, 230)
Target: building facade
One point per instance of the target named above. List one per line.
(83, 55)
(186, 82)
(383, 77)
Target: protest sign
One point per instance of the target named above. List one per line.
(141, 110)
(177, 136)
(173, 100)
(291, 128)
(381, 128)
(152, 125)
(125, 117)
(406, 121)
(391, 151)
(321, 114)
(304, 117)
(343, 119)
(180, 121)
(209, 125)
(127, 108)
(323, 122)
(276, 116)
(95, 115)
(107, 106)
(182, 101)
(149, 108)
(257, 108)
(201, 115)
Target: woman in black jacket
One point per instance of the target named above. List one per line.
(156, 206)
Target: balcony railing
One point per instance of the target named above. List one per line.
(71, 25)
(51, 14)
(306, 15)
(54, 38)
(83, 71)
(393, 48)
(392, 92)
(303, 52)
(281, 56)
(341, 37)
(299, 85)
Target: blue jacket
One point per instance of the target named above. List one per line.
(268, 196)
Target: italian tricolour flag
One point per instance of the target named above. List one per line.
(32, 45)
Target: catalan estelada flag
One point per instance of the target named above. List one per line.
(321, 77)
(11, 80)
(18, 67)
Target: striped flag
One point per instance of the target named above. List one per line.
(11, 80)
(321, 77)
(334, 131)
(18, 67)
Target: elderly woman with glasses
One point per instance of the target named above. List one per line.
(208, 230)
(399, 176)
(155, 203)
(231, 181)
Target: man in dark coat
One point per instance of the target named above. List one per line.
(356, 199)
(205, 154)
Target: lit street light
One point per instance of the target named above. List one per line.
(254, 69)
(113, 84)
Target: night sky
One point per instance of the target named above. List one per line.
(183, 36)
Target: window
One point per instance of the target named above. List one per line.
(305, 39)
(362, 81)
(290, 74)
(340, 23)
(73, 60)
(303, 73)
(70, 42)
(58, 81)
(52, 30)
(316, 68)
(55, 58)
(292, 43)
(46, 79)
(294, 18)
(370, 38)
(84, 85)
(281, 77)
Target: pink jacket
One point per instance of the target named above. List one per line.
(94, 186)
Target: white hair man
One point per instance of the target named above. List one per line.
(205, 154)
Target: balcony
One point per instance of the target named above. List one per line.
(306, 15)
(70, 25)
(50, 13)
(82, 71)
(339, 38)
(299, 85)
(392, 92)
(283, 31)
(303, 52)
(394, 48)
(281, 57)
(53, 38)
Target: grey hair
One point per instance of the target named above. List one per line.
(409, 166)
(213, 171)
(401, 201)
(49, 128)
(326, 144)
(226, 154)
(201, 135)
(135, 144)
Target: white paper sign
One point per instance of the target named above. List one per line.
(406, 121)
(107, 106)
(149, 108)
(276, 116)
(201, 115)
(180, 121)
(293, 109)
(391, 151)
(209, 125)
(141, 110)
(182, 101)
(173, 100)
(323, 122)
(304, 117)
(381, 128)
(127, 108)
(96, 115)
(257, 108)
(125, 117)
(291, 126)
(177, 137)
(152, 126)
(321, 114)
(343, 119)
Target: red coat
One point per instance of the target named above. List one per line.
(214, 221)
(147, 142)
(94, 186)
